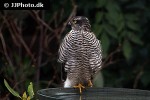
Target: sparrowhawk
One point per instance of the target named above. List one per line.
(81, 53)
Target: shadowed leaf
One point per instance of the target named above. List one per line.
(105, 44)
(135, 39)
(132, 25)
(97, 29)
(11, 90)
(99, 17)
(101, 3)
(110, 30)
(127, 49)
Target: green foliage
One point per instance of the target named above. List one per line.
(110, 30)
(112, 24)
(11, 90)
(101, 3)
(98, 80)
(30, 90)
(118, 25)
(122, 26)
(98, 17)
(24, 96)
(105, 44)
(127, 49)
(134, 38)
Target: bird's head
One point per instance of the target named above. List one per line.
(79, 23)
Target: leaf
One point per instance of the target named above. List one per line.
(121, 36)
(105, 44)
(110, 30)
(99, 16)
(121, 26)
(98, 80)
(113, 6)
(101, 3)
(114, 18)
(97, 29)
(113, 10)
(131, 17)
(127, 49)
(11, 90)
(24, 96)
(132, 25)
(114, 15)
(135, 38)
(30, 90)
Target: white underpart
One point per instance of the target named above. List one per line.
(67, 83)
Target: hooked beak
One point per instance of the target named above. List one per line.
(69, 23)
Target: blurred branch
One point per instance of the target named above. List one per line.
(53, 78)
(11, 31)
(50, 21)
(137, 78)
(41, 20)
(73, 13)
(16, 34)
(33, 40)
(139, 74)
(8, 58)
(51, 81)
(15, 28)
(40, 49)
(109, 58)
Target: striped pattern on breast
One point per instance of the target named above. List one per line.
(81, 53)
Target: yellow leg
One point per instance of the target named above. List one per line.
(90, 83)
(80, 87)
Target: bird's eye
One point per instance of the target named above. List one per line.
(74, 21)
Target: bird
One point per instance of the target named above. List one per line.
(81, 53)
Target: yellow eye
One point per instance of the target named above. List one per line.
(74, 21)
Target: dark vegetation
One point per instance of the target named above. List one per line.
(29, 41)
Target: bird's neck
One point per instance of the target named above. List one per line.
(83, 29)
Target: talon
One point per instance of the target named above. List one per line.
(80, 86)
(90, 83)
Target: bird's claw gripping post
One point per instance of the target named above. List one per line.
(80, 87)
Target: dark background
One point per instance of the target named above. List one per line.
(29, 42)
